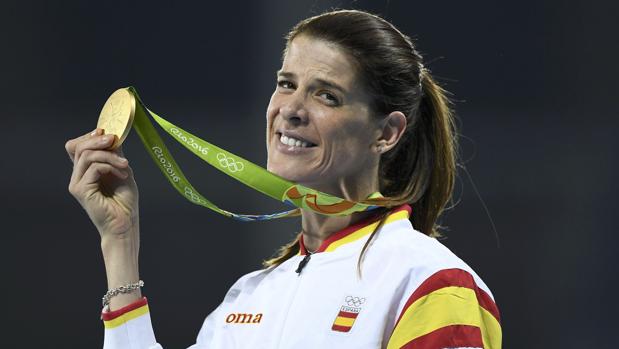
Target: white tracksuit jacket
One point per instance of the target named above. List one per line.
(413, 293)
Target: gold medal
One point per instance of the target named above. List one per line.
(117, 115)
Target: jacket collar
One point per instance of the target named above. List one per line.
(357, 231)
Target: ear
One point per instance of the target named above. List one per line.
(391, 130)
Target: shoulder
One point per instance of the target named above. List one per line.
(423, 257)
(439, 290)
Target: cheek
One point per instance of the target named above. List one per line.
(352, 142)
(270, 116)
(350, 134)
(273, 106)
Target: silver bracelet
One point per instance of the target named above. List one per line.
(128, 288)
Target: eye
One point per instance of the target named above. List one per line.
(285, 84)
(329, 97)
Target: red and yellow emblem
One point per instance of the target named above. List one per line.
(345, 319)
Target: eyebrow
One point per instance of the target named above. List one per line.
(320, 81)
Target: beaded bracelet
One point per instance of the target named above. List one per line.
(120, 290)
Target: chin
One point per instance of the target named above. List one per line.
(284, 173)
(288, 173)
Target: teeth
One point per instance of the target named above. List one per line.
(293, 142)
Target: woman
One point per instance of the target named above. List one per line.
(354, 114)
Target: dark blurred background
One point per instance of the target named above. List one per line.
(535, 84)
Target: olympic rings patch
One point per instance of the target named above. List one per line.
(354, 301)
(229, 163)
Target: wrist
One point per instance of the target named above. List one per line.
(118, 297)
(114, 245)
(124, 232)
(121, 268)
(122, 300)
(120, 256)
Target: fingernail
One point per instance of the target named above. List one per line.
(105, 138)
(95, 132)
(123, 160)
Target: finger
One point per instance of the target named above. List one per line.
(97, 142)
(97, 170)
(72, 143)
(119, 151)
(91, 178)
(88, 157)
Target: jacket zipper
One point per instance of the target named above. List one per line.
(293, 297)
(303, 263)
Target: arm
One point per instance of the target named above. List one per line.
(120, 255)
(102, 182)
(127, 322)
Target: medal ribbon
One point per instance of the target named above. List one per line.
(238, 168)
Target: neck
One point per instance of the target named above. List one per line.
(317, 228)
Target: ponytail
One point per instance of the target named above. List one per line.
(435, 107)
(422, 170)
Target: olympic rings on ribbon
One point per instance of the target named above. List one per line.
(193, 196)
(229, 163)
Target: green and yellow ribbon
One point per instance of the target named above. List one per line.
(238, 168)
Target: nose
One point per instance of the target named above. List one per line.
(294, 110)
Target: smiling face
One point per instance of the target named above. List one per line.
(320, 129)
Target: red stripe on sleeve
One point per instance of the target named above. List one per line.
(452, 277)
(111, 315)
(454, 336)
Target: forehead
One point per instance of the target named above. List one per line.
(308, 57)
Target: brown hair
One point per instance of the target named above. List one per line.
(421, 169)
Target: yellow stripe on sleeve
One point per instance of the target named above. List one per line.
(445, 307)
(490, 330)
(135, 313)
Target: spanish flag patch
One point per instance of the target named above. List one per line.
(348, 314)
(344, 321)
